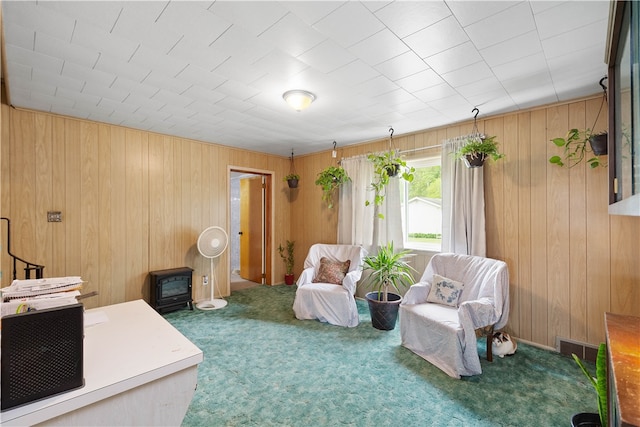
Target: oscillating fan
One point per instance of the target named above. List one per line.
(212, 242)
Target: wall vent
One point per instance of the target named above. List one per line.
(583, 350)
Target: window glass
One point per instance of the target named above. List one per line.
(422, 206)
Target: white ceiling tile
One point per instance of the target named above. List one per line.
(436, 38)
(590, 36)
(48, 45)
(518, 47)
(253, 16)
(402, 66)
(19, 36)
(480, 87)
(502, 26)
(407, 17)
(35, 15)
(190, 19)
(312, 11)
(291, 35)
(454, 58)
(521, 67)
(279, 63)
(377, 86)
(469, 12)
(101, 14)
(354, 73)
(379, 47)
(541, 6)
(199, 76)
(239, 44)
(349, 24)
(469, 74)
(87, 74)
(34, 59)
(152, 59)
(419, 81)
(327, 56)
(192, 52)
(237, 90)
(374, 5)
(560, 19)
(137, 22)
(443, 90)
(117, 66)
(157, 79)
(134, 88)
(103, 42)
(57, 80)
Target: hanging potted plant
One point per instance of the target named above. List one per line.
(599, 383)
(574, 144)
(289, 261)
(330, 179)
(477, 149)
(292, 180)
(576, 148)
(388, 269)
(385, 166)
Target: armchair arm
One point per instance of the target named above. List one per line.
(350, 281)
(417, 293)
(479, 313)
(305, 277)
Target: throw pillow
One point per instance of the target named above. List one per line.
(332, 271)
(445, 291)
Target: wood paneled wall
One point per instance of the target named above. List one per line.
(131, 202)
(569, 261)
(135, 201)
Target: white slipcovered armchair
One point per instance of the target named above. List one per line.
(443, 332)
(329, 302)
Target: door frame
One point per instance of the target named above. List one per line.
(269, 216)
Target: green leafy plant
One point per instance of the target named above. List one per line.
(330, 179)
(480, 148)
(576, 149)
(385, 166)
(291, 176)
(288, 257)
(388, 269)
(599, 383)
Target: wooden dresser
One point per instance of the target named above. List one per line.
(623, 348)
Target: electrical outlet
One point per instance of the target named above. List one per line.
(205, 280)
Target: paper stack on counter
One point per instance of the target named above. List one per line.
(39, 294)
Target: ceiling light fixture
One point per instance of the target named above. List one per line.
(298, 99)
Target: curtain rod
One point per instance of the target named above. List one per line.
(413, 150)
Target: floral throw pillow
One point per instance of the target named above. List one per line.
(332, 271)
(445, 291)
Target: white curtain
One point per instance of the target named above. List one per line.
(359, 224)
(463, 217)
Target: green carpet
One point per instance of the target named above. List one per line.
(263, 367)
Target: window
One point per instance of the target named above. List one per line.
(422, 206)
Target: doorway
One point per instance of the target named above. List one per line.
(250, 228)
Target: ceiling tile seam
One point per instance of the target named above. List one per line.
(162, 11)
(116, 21)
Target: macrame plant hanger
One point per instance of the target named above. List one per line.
(598, 140)
(293, 178)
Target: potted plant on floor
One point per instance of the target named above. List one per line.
(289, 261)
(388, 269)
(292, 180)
(599, 382)
(330, 179)
(477, 149)
(385, 166)
(576, 148)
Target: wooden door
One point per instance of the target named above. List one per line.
(251, 228)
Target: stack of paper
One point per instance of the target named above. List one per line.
(38, 294)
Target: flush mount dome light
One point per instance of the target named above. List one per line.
(298, 99)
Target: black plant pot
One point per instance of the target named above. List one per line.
(383, 314)
(585, 419)
(293, 183)
(392, 170)
(475, 160)
(599, 144)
